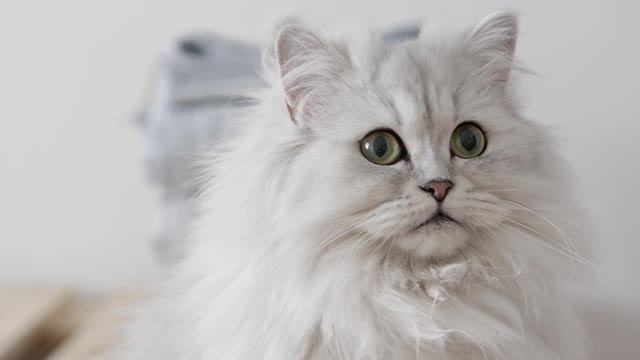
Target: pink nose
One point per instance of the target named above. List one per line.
(438, 189)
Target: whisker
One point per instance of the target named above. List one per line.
(340, 232)
(362, 242)
(518, 234)
(363, 210)
(567, 245)
(515, 232)
(561, 232)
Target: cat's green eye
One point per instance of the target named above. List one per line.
(468, 141)
(381, 147)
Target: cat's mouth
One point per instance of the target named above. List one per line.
(439, 218)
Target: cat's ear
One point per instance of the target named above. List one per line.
(493, 41)
(307, 64)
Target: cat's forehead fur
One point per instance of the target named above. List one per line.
(420, 88)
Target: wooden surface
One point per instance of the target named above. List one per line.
(51, 324)
(96, 334)
(25, 314)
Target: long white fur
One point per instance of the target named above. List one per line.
(305, 250)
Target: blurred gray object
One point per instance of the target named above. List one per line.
(192, 103)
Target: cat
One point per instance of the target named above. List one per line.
(382, 202)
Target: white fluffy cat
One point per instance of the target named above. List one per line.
(387, 204)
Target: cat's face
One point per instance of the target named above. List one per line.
(422, 150)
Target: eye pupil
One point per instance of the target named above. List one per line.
(468, 139)
(380, 146)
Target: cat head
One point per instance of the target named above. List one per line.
(421, 146)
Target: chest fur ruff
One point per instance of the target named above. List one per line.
(455, 311)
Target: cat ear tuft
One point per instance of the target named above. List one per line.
(295, 46)
(306, 62)
(494, 41)
(497, 32)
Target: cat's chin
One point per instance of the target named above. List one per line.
(438, 237)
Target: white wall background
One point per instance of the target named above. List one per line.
(74, 204)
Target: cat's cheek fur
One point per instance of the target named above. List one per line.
(320, 184)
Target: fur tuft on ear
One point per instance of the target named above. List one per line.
(493, 40)
(307, 64)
